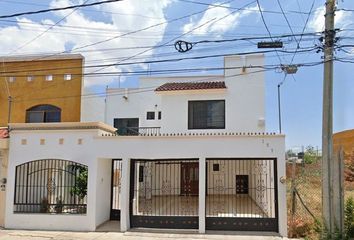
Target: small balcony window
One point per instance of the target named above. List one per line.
(67, 77)
(49, 77)
(150, 115)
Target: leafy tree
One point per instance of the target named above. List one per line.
(310, 155)
(80, 188)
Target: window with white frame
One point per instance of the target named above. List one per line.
(49, 77)
(12, 79)
(67, 77)
(30, 78)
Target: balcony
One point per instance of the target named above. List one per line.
(138, 131)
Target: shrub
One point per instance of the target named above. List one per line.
(349, 218)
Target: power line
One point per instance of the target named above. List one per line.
(214, 20)
(265, 25)
(44, 32)
(160, 61)
(58, 9)
(149, 89)
(303, 30)
(228, 7)
(286, 19)
(86, 10)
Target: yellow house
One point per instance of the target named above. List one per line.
(40, 89)
(45, 88)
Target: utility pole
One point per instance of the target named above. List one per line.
(331, 178)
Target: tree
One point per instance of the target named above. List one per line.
(80, 187)
(310, 155)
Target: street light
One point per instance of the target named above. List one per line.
(287, 69)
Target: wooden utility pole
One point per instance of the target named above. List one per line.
(331, 176)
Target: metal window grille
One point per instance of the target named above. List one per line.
(51, 186)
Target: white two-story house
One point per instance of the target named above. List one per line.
(187, 152)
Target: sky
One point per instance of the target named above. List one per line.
(108, 33)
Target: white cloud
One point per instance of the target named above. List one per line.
(217, 27)
(341, 19)
(58, 37)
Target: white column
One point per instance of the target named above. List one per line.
(202, 186)
(124, 211)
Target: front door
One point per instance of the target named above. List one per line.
(189, 179)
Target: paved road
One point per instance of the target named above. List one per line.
(45, 235)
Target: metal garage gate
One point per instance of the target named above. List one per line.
(242, 194)
(164, 193)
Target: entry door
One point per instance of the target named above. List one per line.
(116, 189)
(189, 179)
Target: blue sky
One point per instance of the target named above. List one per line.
(301, 94)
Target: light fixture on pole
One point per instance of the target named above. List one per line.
(287, 69)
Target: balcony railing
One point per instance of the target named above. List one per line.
(138, 131)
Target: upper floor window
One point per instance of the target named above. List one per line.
(30, 78)
(67, 77)
(12, 79)
(159, 115)
(150, 115)
(206, 114)
(43, 113)
(49, 77)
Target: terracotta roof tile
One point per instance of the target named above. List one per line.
(180, 86)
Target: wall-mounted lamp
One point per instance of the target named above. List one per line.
(282, 179)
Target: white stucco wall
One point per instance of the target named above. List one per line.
(244, 99)
(103, 190)
(94, 152)
(70, 150)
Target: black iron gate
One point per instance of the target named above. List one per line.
(242, 194)
(116, 189)
(164, 193)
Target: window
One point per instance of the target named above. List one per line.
(127, 126)
(51, 186)
(150, 115)
(43, 113)
(216, 167)
(141, 173)
(12, 79)
(206, 114)
(30, 78)
(159, 116)
(242, 184)
(67, 77)
(49, 77)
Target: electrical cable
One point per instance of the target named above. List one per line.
(58, 9)
(44, 32)
(265, 25)
(159, 61)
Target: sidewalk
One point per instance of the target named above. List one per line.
(55, 235)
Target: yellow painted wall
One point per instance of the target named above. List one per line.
(344, 139)
(64, 94)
